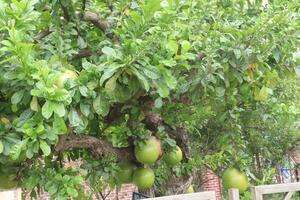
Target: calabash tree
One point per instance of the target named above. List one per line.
(213, 81)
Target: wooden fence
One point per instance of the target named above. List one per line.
(193, 196)
(257, 193)
(288, 188)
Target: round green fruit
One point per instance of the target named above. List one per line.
(232, 178)
(8, 182)
(190, 189)
(68, 74)
(143, 178)
(126, 172)
(147, 152)
(174, 157)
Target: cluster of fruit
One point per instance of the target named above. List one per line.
(147, 154)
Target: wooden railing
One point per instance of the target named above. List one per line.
(193, 196)
(288, 188)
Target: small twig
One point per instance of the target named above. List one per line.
(117, 192)
(110, 6)
(83, 5)
(86, 52)
(43, 34)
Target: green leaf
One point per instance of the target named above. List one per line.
(45, 148)
(85, 109)
(186, 45)
(264, 93)
(1, 147)
(31, 182)
(83, 90)
(101, 105)
(74, 118)
(34, 104)
(47, 109)
(163, 90)
(59, 109)
(111, 84)
(150, 74)
(237, 53)
(16, 149)
(169, 79)
(53, 189)
(172, 46)
(59, 125)
(29, 153)
(72, 192)
(141, 78)
(110, 52)
(17, 97)
(109, 73)
(158, 103)
(276, 55)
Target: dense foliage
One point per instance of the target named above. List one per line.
(92, 80)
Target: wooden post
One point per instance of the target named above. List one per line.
(10, 195)
(256, 195)
(234, 194)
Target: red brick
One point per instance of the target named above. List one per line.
(211, 182)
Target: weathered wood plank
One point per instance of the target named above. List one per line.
(234, 194)
(256, 194)
(193, 196)
(278, 188)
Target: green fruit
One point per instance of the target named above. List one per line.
(68, 74)
(147, 152)
(174, 157)
(232, 178)
(143, 178)
(126, 172)
(190, 189)
(8, 182)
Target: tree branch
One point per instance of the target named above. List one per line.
(66, 12)
(96, 146)
(43, 34)
(86, 52)
(96, 20)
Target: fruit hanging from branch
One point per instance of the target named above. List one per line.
(173, 157)
(143, 178)
(126, 172)
(147, 152)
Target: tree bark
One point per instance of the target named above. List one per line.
(96, 146)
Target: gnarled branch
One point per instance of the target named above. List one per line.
(96, 146)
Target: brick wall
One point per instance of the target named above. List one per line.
(211, 182)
